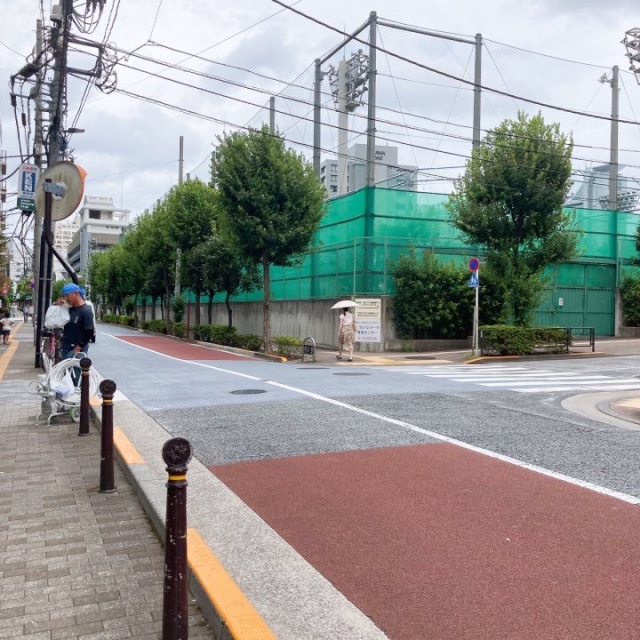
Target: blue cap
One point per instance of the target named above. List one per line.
(70, 288)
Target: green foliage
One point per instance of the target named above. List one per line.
(228, 336)
(507, 340)
(179, 329)
(630, 291)
(249, 341)
(178, 305)
(288, 347)
(156, 326)
(112, 318)
(510, 201)
(271, 202)
(432, 301)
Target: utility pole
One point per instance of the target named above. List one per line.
(613, 166)
(59, 43)
(477, 91)
(317, 110)
(37, 157)
(176, 287)
(371, 101)
(272, 114)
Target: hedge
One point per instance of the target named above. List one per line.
(507, 340)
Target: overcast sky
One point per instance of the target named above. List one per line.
(547, 51)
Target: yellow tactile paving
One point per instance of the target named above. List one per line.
(242, 620)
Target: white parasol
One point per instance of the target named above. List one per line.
(345, 304)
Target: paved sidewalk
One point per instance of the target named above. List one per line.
(74, 563)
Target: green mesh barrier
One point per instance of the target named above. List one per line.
(364, 233)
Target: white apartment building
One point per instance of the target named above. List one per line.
(388, 173)
(63, 235)
(100, 225)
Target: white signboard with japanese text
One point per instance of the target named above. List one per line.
(368, 317)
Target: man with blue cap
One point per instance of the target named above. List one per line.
(77, 333)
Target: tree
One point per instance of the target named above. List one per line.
(271, 203)
(510, 201)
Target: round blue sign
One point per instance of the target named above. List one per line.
(474, 264)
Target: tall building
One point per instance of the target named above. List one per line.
(388, 173)
(100, 225)
(64, 233)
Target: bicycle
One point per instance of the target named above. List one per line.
(50, 349)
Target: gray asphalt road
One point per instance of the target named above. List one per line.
(251, 409)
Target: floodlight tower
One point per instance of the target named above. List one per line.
(632, 43)
(348, 86)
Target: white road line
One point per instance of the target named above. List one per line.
(412, 427)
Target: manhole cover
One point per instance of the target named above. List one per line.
(351, 374)
(419, 358)
(312, 367)
(248, 392)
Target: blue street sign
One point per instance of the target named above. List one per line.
(27, 181)
(473, 280)
(474, 264)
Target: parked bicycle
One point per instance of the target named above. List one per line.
(50, 348)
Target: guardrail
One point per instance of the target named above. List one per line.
(581, 337)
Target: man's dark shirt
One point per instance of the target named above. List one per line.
(80, 328)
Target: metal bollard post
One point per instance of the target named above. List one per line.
(85, 365)
(176, 453)
(107, 483)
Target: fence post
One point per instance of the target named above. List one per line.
(85, 365)
(107, 485)
(176, 454)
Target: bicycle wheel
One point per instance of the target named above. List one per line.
(45, 358)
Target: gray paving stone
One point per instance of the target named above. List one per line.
(74, 564)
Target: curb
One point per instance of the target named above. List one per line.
(224, 606)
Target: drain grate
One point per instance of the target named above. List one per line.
(348, 373)
(312, 367)
(248, 392)
(419, 358)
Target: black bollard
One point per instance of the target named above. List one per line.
(107, 483)
(175, 606)
(85, 365)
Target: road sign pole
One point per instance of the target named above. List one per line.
(476, 317)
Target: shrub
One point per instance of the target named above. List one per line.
(127, 321)
(178, 305)
(507, 340)
(109, 318)
(179, 329)
(157, 326)
(432, 300)
(202, 332)
(288, 347)
(630, 292)
(250, 342)
(223, 334)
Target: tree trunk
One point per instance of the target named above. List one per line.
(197, 314)
(266, 323)
(229, 309)
(153, 307)
(210, 306)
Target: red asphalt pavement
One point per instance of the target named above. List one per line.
(439, 542)
(179, 349)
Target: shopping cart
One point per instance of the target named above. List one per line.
(60, 389)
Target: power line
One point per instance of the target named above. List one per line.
(450, 75)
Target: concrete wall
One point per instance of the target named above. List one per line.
(316, 319)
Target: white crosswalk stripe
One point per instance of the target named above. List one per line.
(521, 379)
